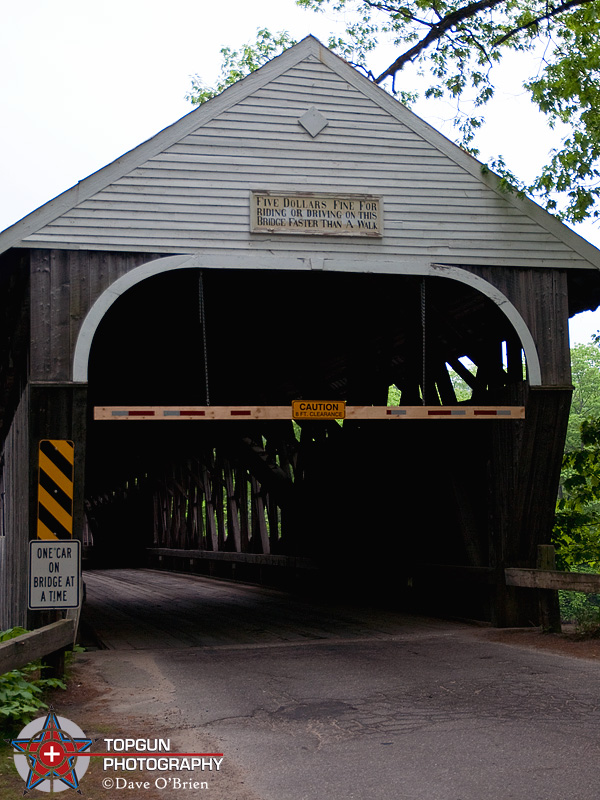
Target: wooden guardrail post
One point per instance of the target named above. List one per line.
(549, 604)
(54, 664)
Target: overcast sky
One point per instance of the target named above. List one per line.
(84, 81)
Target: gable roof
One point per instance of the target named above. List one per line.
(186, 189)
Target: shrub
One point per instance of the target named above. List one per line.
(21, 690)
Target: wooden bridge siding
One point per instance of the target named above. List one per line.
(58, 411)
(64, 286)
(525, 473)
(542, 299)
(14, 520)
(45, 412)
(66, 283)
(437, 207)
(527, 456)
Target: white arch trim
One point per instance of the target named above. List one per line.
(272, 262)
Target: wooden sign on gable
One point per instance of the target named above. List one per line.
(325, 214)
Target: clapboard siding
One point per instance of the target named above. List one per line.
(194, 168)
(211, 149)
(410, 232)
(194, 195)
(185, 204)
(124, 199)
(486, 223)
(14, 519)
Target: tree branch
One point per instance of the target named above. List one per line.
(401, 11)
(553, 13)
(437, 31)
(453, 19)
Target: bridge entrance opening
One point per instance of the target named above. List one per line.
(370, 503)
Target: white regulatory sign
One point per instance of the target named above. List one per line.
(54, 573)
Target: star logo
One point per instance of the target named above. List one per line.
(48, 754)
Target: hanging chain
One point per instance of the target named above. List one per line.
(424, 336)
(203, 324)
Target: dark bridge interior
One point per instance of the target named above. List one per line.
(375, 499)
(272, 337)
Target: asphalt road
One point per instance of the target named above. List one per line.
(380, 707)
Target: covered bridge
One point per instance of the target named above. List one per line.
(302, 236)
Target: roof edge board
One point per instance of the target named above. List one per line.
(195, 119)
(458, 260)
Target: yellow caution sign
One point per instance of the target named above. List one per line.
(55, 489)
(318, 409)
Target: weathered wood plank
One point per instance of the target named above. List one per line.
(552, 579)
(542, 300)
(259, 524)
(138, 243)
(233, 518)
(210, 524)
(241, 489)
(136, 608)
(19, 651)
(60, 315)
(40, 353)
(16, 509)
(217, 478)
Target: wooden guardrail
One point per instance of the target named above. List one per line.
(53, 638)
(262, 559)
(552, 579)
(547, 578)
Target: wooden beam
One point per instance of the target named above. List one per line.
(552, 579)
(201, 413)
(17, 652)
(263, 559)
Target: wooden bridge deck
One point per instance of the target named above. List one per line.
(146, 609)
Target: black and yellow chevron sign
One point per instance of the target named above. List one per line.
(55, 489)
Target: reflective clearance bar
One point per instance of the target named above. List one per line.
(200, 413)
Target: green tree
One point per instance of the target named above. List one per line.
(239, 63)
(585, 370)
(577, 528)
(456, 45)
